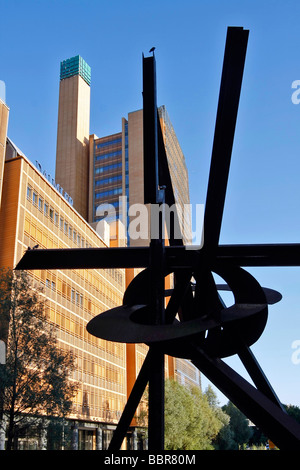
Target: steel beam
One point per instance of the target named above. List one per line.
(230, 88)
(283, 430)
(153, 194)
(260, 255)
(132, 404)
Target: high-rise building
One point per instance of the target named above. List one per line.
(72, 152)
(116, 169)
(116, 183)
(4, 113)
(35, 211)
(109, 170)
(179, 174)
(106, 174)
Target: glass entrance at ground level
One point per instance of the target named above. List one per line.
(86, 439)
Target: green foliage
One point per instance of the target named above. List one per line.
(59, 434)
(35, 380)
(191, 423)
(293, 411)
(258, 439)
(237, 433)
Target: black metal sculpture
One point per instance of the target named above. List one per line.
(205, 330)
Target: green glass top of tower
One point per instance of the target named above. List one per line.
(75, 66)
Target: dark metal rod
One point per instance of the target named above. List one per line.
(150, 131)
(85, 258)
(132, 404)
(282, 254)
(173, 231)
(153, 195)
(157, 372)
(257, 375)
(144, 374)
(156, 426)
(182, 281)
(231, 82)
(283, 430)
(156, 421)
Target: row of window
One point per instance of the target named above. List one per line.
(109, 142)
(113, 166)
(102, 369)
(112, 179)
(49, 212)
(34, 233)
(104, 293)
(111, 192)
(42, 206)
(116, 204)
(106, 156)
(95, 398)
(76, 297)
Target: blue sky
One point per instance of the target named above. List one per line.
(263, 203)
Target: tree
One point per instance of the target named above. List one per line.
(35, 380)
(236, 433)
(178, 409)
(190, 422)
(293, 411)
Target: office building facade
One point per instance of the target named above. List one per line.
(34, 212)
(116, 182)
(109, 170)
(117, 173)
(4, 114)
(91, 171)
(106, 175)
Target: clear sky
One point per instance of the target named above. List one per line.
(263, 203)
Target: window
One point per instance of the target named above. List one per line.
(113, 166)
(112, 192)
(109, 142)
(51, 214)
(106, 156)
(34, 198)
(29, 192)
(46, 207)
(56, 218)
(113, 179)
(66, 228)
(61, 223)
(40, 204)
